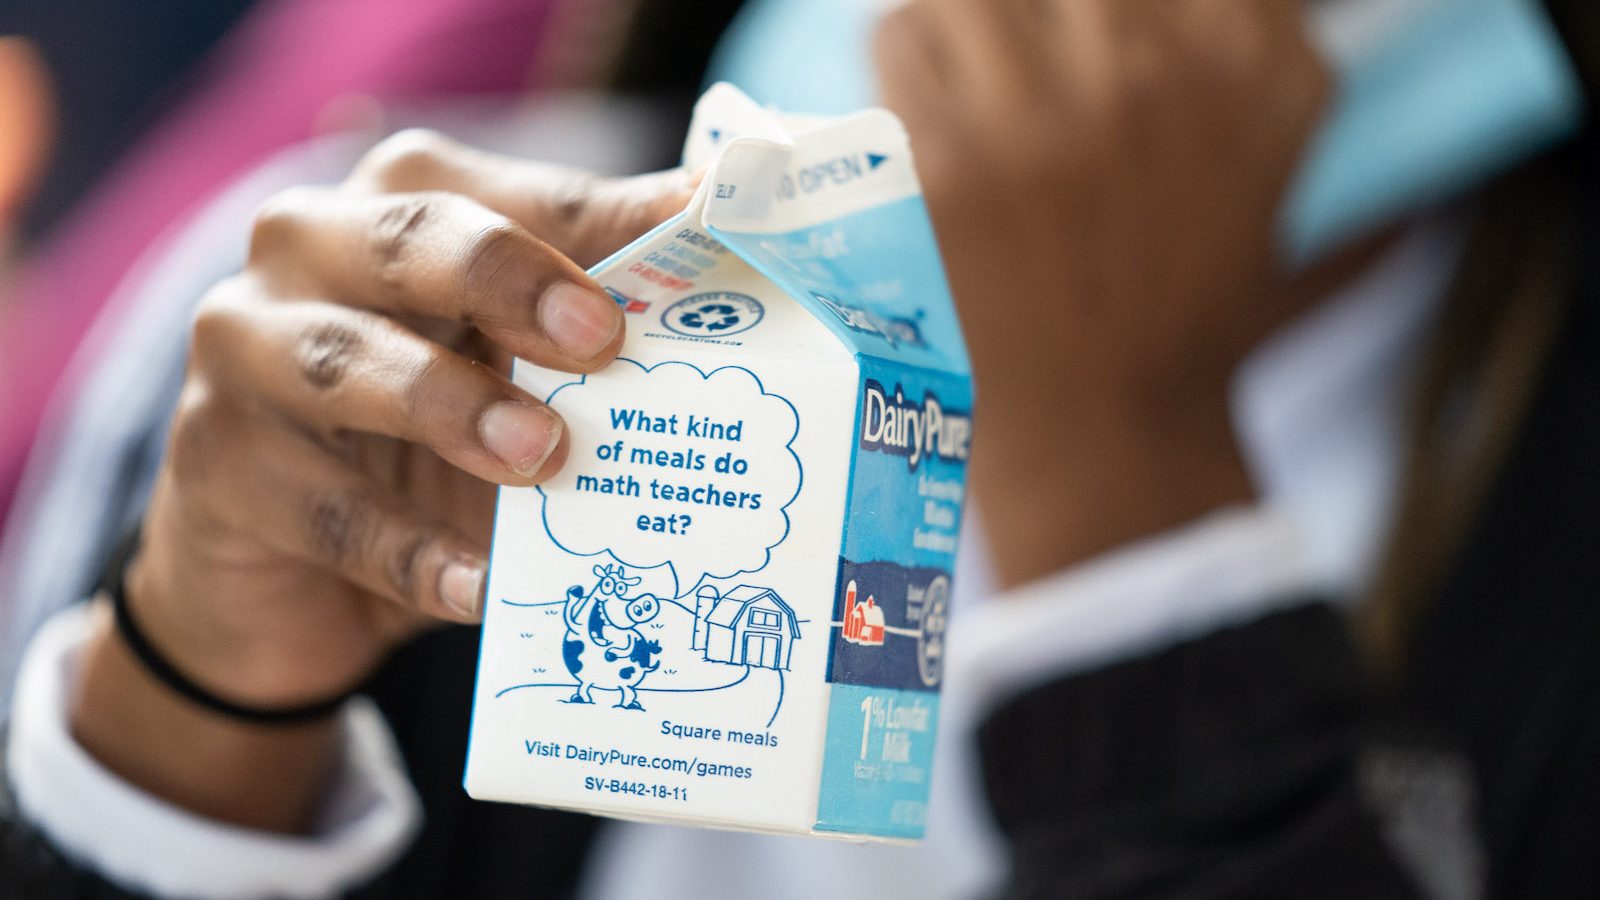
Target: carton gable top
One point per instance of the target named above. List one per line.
(829, 211)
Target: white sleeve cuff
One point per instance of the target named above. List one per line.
(1225, 569)
(144, 843)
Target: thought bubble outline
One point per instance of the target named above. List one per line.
(788, 525)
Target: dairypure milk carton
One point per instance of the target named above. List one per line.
(729, 609)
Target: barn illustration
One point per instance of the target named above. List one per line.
(747, 626)
(863, 620)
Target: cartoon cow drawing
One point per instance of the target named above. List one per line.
(603, 647)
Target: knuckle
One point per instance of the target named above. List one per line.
(323, 352)
(609, 215)
(491, 261)
(339, 525)
(405, 160)
(573, 197)
(195, 442)
(443, 399)
(404, 565)
(216, 320)
(420, 394)
(395, 234)
(278, 220)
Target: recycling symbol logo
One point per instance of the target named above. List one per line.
(711, 317)
(714, 314)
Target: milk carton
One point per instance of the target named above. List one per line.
(729, 609)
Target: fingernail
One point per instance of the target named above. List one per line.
(522, 436)
(580, 322)
(461, 586)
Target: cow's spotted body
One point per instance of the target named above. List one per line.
(603, 648)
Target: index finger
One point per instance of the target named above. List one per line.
(441, 256)
(583, 215)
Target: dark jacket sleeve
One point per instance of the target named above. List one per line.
(31, 868)
(486, 851)
(1225, 766)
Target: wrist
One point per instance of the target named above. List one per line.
(210, 622)
(263, 777)
(1103, 474)
(179, 682)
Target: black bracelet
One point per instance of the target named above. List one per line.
(112, 583)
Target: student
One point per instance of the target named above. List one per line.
(1113, 278)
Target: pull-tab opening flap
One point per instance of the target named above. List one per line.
(834, 216)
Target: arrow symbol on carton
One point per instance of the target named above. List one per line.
(874, 160)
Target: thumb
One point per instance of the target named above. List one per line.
(614, 211)
(583, 215)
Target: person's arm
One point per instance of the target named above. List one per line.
(297, 534)
(1180, 717)
(34, 865)
(1224, 766)
(68, 820)
(279, 564)
(257, 776)
(1104, 177)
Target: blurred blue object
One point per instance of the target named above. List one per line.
(804, 56)
(1444, 95)
(1462, 91)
